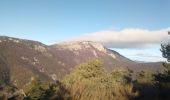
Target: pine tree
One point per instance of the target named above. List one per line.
(163, 79)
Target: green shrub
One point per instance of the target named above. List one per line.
(90, 81)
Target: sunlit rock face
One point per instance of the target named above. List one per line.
(40, 48)
(14, 40)
(78, 46)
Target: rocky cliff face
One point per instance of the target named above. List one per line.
(73, 53)
(20, 59)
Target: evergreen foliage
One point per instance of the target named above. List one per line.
(37, 90)
(163, 79)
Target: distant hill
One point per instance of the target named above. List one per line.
(20, 59)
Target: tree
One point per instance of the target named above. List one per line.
(37, 90)
(163, 79)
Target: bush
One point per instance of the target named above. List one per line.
(89, 81)
(46, 91)
(37, 90)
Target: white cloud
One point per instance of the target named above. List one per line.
(148, 57)
(128, 38)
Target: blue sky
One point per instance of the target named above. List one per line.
(51, 21)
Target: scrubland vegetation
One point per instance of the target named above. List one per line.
(90, 81)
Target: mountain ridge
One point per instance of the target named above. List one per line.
(27, 58)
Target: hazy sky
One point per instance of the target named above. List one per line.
(135, 28)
